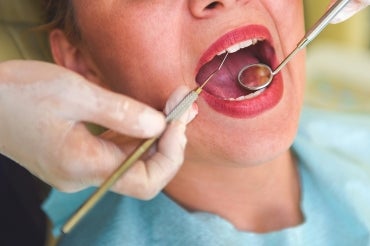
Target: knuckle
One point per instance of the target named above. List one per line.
(147, 191)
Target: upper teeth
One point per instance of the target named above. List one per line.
(238, 46)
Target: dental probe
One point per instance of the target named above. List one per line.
(176, 112)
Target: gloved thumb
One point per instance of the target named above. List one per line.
(351, 9)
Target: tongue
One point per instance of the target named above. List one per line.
(224, 83)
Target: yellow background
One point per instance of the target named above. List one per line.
(354, 32)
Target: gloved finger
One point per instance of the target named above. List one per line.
(148, 176)
(128, 144)
(175, 98)
(349, 10)
(74, 98)
(117, 112)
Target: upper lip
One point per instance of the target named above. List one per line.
(232, 38)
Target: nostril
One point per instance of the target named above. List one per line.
(213, 5)
(206, 8)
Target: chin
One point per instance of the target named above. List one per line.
(233, 144)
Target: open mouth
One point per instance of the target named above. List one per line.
(247, 45)
(224, 85)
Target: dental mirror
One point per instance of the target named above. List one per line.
(257, 76)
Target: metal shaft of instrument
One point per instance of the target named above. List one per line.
(179, 109)
(314, 31)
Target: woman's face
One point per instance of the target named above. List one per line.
(146, 49)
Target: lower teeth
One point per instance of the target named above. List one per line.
(249, 96)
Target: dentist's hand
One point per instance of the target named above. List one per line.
(148, 176)
(43, 110)
(352, 8)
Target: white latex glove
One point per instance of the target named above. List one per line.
(42, 110)
(352, 8)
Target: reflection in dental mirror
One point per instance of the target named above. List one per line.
(255, 77)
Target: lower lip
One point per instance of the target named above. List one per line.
(248, 108)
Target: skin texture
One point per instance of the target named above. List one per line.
(103, 38)
(115, 51)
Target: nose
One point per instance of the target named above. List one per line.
(208, 8)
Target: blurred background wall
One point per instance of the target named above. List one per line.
(338, 62)
(354, 32)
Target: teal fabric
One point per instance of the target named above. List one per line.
(333, 150)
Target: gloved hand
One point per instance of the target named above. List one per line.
(43, 108)
(352, 8)
(162, 162)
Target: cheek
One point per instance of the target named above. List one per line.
(288, 19)
(136, 58)
(290, 30)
